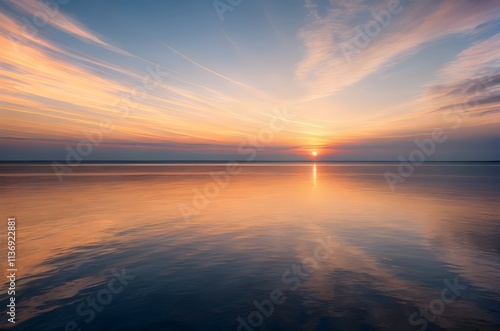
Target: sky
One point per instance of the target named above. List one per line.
(353, 80)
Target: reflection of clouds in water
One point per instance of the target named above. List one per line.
(396, 248)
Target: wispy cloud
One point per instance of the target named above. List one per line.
(70, 92)
(471, 80)
(56, 18)
(325, 69)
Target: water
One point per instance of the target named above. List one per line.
(385, 254)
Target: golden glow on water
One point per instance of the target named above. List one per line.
(314, 173)
(264, 211)
(88, 210)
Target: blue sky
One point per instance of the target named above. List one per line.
(359, 80)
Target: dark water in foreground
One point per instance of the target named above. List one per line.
(108, 248)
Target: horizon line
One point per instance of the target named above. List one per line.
(226, 161)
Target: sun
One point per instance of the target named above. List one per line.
(314, 153)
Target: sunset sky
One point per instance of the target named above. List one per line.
(205, 80)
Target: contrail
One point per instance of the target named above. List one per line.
(205, 68)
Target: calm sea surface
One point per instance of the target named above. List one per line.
(266, 247)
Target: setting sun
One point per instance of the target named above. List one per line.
(314, 153)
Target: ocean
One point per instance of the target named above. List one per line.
(266, 246)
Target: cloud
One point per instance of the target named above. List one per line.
(471, 80)
(53, 16)
(474, 60)
(50, 91)
(473, 143)
(330, 64)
